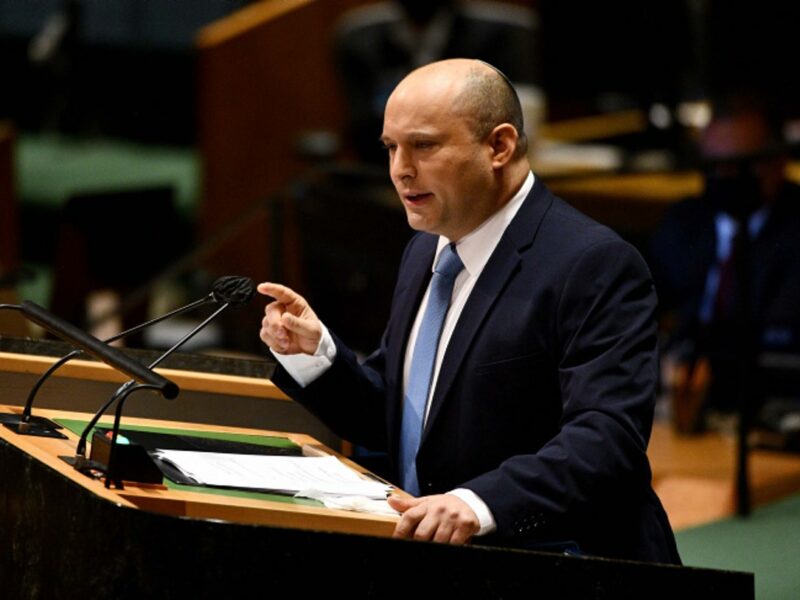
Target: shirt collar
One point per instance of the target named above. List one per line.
(727, 227)
(476, 247)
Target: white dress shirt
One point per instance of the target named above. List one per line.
(474, 249)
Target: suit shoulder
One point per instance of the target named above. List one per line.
(568, 242)
(575, 230)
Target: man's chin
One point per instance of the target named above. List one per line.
(418, 223)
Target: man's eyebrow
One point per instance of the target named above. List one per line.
(411, 135)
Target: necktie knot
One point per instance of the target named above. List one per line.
(449, 263)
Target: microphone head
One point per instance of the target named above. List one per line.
(234, 290)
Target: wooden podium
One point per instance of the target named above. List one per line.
(66, 535)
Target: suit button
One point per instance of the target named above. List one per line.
(428, 486)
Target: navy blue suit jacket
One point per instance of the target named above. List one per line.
(544, 402)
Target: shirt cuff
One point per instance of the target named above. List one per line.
(478, 506)
(305, 368)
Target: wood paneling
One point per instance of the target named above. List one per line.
(265, 76)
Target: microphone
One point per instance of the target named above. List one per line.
(231, 289)
(230, 292)
(94, 347)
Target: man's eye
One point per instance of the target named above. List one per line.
(423, 145)
(389, 147)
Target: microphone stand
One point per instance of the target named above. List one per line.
(91, 345)
(26, 424)
(79, 461)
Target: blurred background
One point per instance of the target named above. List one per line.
(148, 147)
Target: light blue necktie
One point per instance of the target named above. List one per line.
(447, 269)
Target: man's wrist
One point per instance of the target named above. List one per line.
(305, 368)
(479, 507)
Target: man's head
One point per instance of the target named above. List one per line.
(457, 152)
(744, 164)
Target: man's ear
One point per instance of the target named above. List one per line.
(503, 139)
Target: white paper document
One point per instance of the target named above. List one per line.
(354, 503)
(283, 474)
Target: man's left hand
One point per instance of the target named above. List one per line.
(441, 518)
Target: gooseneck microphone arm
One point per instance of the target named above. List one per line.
(80, 449)
(230, 289)
(188, 336)
(127, 387)
(94, 347)
(123, 394)
(230, 292)
(26, 413)
(178, 311)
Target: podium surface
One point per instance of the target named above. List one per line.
(195, 501)
(66, 535)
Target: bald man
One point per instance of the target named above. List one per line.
(514, 385)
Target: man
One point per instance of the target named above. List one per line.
(698, 253)
(537, 397)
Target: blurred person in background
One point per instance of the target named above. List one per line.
(727, 264)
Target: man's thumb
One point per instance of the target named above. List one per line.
(401, 504)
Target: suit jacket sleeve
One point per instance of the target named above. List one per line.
(349, 398)
(606, 346)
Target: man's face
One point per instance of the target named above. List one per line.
(441, 172)
(740, 136)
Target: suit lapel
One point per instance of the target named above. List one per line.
(501, 267)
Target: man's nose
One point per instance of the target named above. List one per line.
(401, 165)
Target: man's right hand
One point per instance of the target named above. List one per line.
(289, 325)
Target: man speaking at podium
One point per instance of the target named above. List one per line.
(514, 385)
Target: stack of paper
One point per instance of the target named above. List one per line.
(282, 474)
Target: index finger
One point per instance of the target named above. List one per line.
(281, 293)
